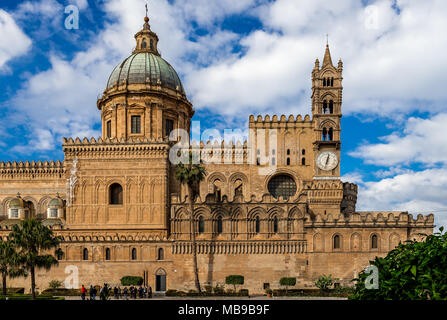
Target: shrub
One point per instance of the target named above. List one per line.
(412, 271)
(287, 282)
(131, 281)
(55, 284)
(62, 292)
(171, 293)
(208, 289)
(244, 293)
(324, 283)
(234, 280)
(218, 290)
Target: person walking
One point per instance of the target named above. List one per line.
(140, 292)
(115, 292)
(95, 292)
(119, 292)
(83, 292)
(125, 292)
(90, 291)
(150, 292)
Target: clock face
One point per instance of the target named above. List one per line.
(327, 160)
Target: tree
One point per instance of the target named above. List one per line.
(32, 240)
(234, 280)
(191, 175)
(55, 284)
(9, 263)
(287, 282)
(324, 283)
(412, 271)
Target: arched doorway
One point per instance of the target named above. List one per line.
(160, 280)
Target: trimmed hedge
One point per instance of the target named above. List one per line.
(15, 290)
(287, 281)
(342, 292)
(29, 297)
(62, 292)
(131, 281)
(234, 279)
(193, 293)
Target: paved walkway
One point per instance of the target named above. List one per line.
(225, 298)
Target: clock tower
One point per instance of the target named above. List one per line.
(326, 111)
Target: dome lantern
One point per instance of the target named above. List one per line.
(147, 40)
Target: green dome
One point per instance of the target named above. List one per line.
(56, 202)
(16, 203)
(139, 67)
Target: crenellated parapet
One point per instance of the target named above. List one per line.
(325, 192)
(282, 121)
(372, 219)
(31, 170)
(132, 147)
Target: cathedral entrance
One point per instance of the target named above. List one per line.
(160, 280)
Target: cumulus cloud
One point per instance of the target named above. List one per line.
(61, 101)
(14, 42)
(44, 15)
(422, 140)
(415, 191)
(394, 59)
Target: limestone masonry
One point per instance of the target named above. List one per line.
(117, 205)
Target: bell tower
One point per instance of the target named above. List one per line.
(326, 111)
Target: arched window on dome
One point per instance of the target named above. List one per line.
(116, 194)
(151, 44)
(144, 46)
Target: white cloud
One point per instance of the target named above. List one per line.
(81, 4)
(61, 101)
(44, 15)
(14, 42)
(353, 177)
(394, 68)
(417, 192)
(422, 140)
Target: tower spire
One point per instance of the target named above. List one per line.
(327, 56)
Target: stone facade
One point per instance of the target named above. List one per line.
(268, 208)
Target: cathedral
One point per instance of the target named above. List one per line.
(271, 207)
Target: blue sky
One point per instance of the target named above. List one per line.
(242, 57)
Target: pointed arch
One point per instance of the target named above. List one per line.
(356, 242)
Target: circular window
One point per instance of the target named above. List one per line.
(282, 186)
